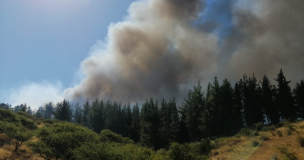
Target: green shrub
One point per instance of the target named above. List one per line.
(192, 151)
(264, 137)
(279, 133)
(268, 128)
(27, 122)
(259, 126)
(255, 143)
(290, 155)
(274, 157)
(60, 139)
(301, 141)
(289, 132)
(16, 133)
(109, 136)
(254, 133)
(102, 151)
(244, 132)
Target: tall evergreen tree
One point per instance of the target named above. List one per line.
(299, 98)
(48, 109)
(78, 115)
(96, 116)
(213, 116)
(135, 125)
(238, 107)
(150, 124)
(251, 91)
(193, 109)
(175, 121)
(85, 116)
(284, 98)
(63, 111)
(169, 119)
(268, 101)
(128, 119)
(226, 104)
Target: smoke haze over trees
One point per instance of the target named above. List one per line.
(163, 47)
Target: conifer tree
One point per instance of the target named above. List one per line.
(63, 111)
(251, 99)
(174, 125)
(135, 125)
(78, 116)
(193, 109)
(169, 120)
(48, 109)
(86, 110)
(150, 124)
(213, 116)
(96, 116)
(284, 98)
(299, 98)
(238, 107)
(226, 104)
(268, 101)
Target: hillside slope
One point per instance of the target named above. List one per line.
(263, 145)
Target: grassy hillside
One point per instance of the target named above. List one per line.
(23, 137)
(281, 142)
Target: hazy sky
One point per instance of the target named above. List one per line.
(45, 40)
(132, 50)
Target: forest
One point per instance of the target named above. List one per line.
(105, 129)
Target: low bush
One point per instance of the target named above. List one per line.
(264, 137)
(255, 143)
(254, 133)
(301, 141)
(259, 126)
(109, 136)
(274, 157)
(290, 155)
(279, 133)
(268, 128)
(244, 132)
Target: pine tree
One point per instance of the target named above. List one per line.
(193, 109)
(213, 116)
(268, 101)
(174, 125)
(78, 116)
(135, 125)
(63, 111)
(86, 110)
(284, 98)
(238, 107)
(96, 116)
(48, 109)
(150, 124)
(226, 104)
(128, 119)
(251, 93)
(299, 98)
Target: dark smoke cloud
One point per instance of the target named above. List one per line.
(157, 52)
(274, 39)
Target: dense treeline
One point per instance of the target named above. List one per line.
(222, 110)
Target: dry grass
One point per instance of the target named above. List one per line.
(234, 148)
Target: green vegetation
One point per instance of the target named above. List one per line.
(301, 141)
(288, 154)
(110, 130)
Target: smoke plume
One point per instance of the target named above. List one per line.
(163, 47)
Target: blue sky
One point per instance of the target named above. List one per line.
(44, 41)
(49, 39)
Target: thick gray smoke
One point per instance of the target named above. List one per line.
(157, 51)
